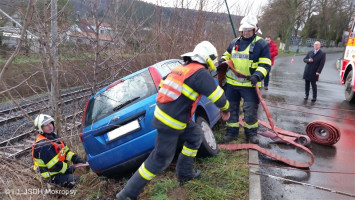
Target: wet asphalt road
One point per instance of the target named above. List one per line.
(286, 91)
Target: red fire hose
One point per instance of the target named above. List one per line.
(323, 132)
(266, 152)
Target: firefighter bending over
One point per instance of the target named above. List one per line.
(176, 103)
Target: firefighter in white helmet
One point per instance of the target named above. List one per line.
(241, 68)
(176, 102)
(51, 156)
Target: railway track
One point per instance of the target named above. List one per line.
(19, 145)
(12, 114)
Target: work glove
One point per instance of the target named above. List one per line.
(254, 80)
(80, 160)
(70, 170)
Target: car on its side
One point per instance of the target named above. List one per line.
(117, 131)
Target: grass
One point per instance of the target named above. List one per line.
(225, 176)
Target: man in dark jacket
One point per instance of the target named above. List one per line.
(315, 62)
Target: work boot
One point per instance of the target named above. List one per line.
(182, 180)
(124, 196)
(228, 138)
(253, 139)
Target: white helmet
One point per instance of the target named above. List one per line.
(204, 53)
(42, 120)
(249, 22)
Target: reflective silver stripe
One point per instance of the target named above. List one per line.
(242, 84)
(146, 174)
(232, 124)
(173, 84)
(189, 152)
(168, 93)
(216, 94)
(240, 56)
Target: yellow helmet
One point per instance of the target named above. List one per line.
(204, 53)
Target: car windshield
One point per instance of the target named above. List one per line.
(121, 95)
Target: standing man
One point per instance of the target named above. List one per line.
(315, 62)
(250, 56)
(176, 103)
(51, 156)
(273, 53)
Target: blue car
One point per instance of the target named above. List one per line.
(117, 131)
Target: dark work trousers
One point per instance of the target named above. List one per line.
(67, 180)
(250, 109)
(266, 80)
(163, 153)
(314, 88)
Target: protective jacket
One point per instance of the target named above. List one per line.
(273, 51)
(180, 92)
(50, 155)
(250, 56)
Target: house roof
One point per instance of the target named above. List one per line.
(90, 35)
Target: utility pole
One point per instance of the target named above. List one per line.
(54, 65)
(230, 18)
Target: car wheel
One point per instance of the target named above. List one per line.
(349, 89)
(209, 144)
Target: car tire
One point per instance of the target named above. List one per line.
(349, 89)
(209, 145)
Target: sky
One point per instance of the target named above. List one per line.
(236, 7)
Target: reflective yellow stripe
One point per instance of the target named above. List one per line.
(225, 107)
(167, 120)
(64, 168)
(69, 156)
(146, 174)
(262, 70)
(232, 124)
(52, 162)
(216, 94)
(161, 83)
(39, 162)
(48, 174)
(226, 56)
(189, 92)
(255, 125)
(254, 65)
(263, 60)
(242, 84)
(189, 152)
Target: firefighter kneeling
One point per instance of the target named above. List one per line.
(176, 102)
(50, 154)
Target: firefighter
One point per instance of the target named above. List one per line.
(241, 68)
(50, 154)
(176, 102)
